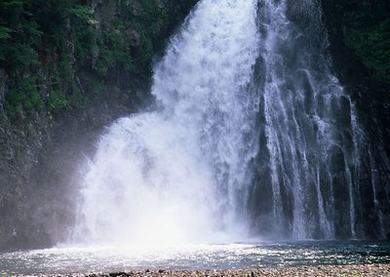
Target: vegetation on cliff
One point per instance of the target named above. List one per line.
(45, 44)
(363, 26)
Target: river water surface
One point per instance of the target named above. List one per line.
(193, 257)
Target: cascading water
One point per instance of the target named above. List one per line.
(308, 121)
(253, 135)
(309, 172)
(177, 174)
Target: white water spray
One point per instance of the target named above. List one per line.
(174, 175)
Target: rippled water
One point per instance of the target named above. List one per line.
(104, 259)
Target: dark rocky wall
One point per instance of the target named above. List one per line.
(360, 50)
(364, 80)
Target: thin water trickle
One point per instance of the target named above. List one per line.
(310, 126)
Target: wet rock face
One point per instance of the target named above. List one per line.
(3, 88)
(19, 148)
(369, 91)
(134, 38)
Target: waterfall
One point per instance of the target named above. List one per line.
(252, 135)
(179, 174)
(308, 123)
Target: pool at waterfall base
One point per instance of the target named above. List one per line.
(68, 260)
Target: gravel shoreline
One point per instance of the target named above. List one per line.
(374, 270)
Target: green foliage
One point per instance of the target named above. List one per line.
(56, 40)
(5, 33)
(38, 34)
(19, 35)
(365, 26)
(115, 54)
(25, 96)
(84, 13)
(372, 45)
(57, 99)
(83, 29)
